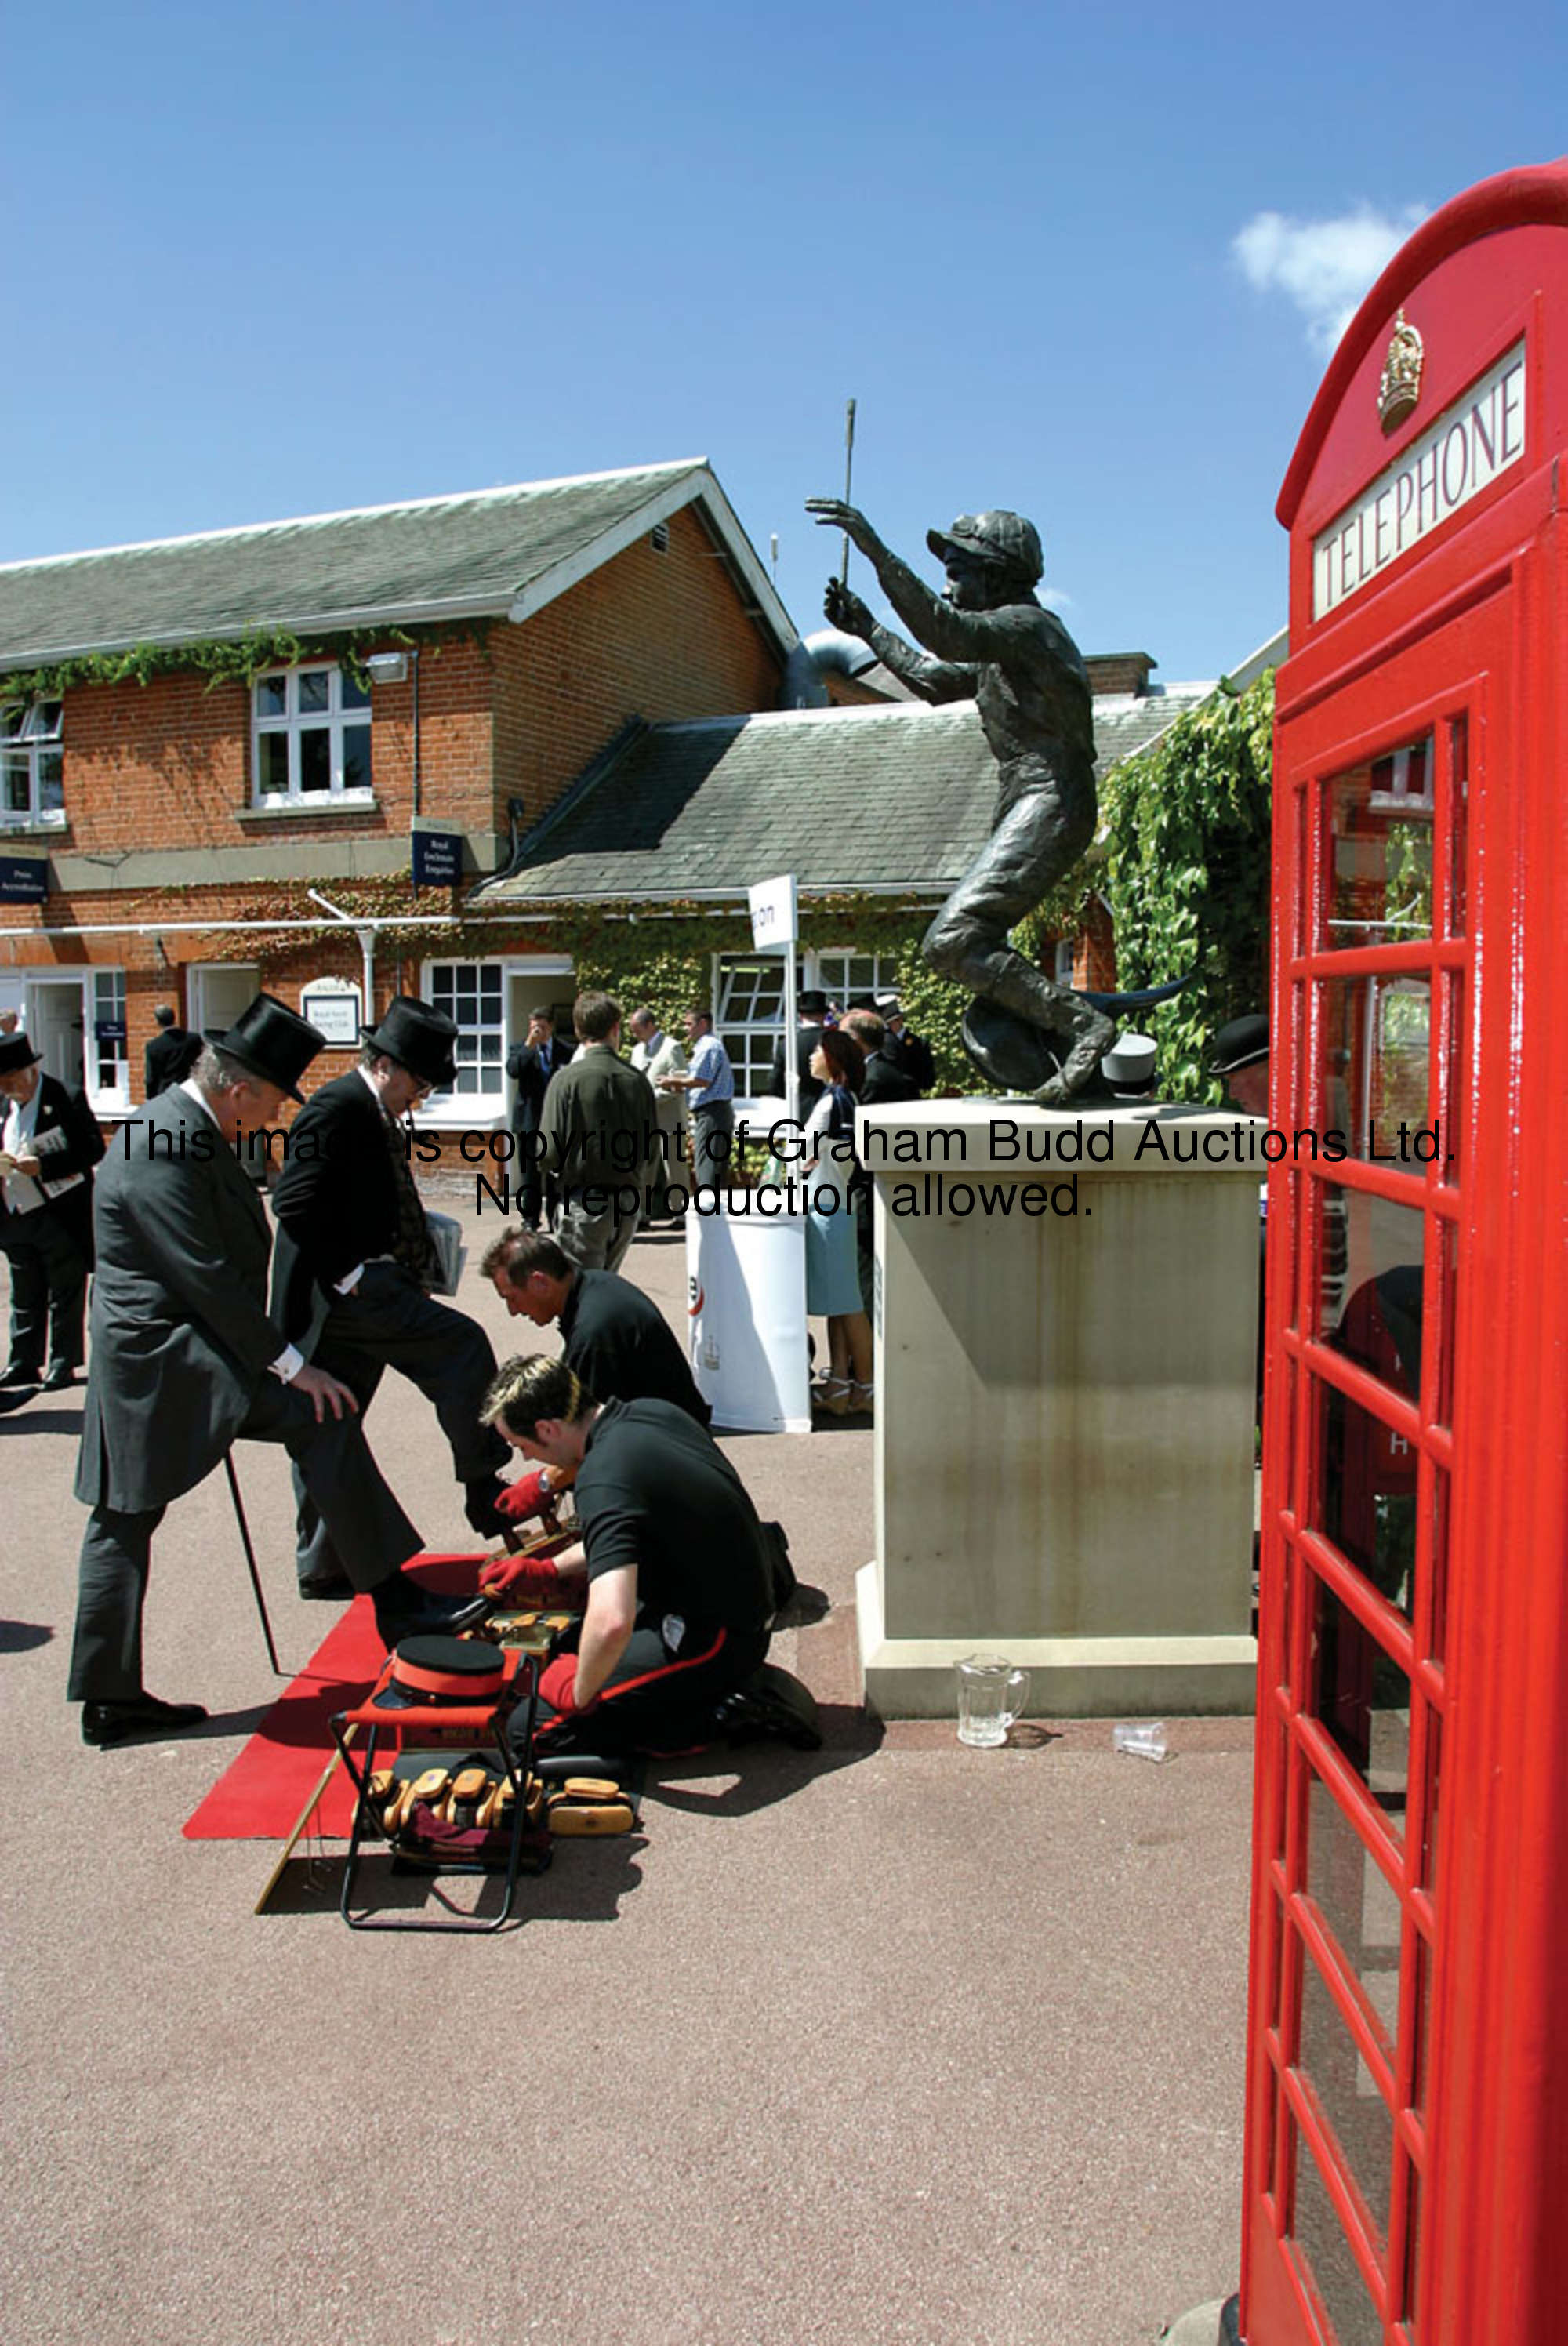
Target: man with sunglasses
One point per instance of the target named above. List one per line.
(354, 1263)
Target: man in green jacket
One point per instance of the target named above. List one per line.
(599, 1131)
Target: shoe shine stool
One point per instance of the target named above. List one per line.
(434, 1699)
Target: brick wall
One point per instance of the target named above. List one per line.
(167, 764)
(658, 636)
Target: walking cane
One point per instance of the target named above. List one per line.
(250, 1560)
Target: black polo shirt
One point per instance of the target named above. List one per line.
(619, 1346)
(656, 1491)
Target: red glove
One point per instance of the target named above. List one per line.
(521, 1501)
(530, 1581)
(558, 1684)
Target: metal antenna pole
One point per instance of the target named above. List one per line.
(250, 1560)
(849, 469)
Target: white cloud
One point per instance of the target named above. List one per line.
(1325, 266)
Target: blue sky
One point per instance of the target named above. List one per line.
(264, 262)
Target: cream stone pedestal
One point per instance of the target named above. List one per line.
(1065, 1405)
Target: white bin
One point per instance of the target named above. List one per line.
(746, 1295)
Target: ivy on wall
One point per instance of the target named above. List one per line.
(1186, 875)
(231, 659)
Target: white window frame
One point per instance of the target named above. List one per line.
(821, 972)
(484, 1100)
(291, 725)
(758, 1038)
(32, 730)
(108, 1065)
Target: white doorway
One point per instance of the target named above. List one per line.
(55, 1024)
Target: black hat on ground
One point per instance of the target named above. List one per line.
(1240, 1044)
(811, 1002)
(419, 1038)
(16, 1053)
(271, 1041)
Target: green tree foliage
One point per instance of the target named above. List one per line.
(1186, 875)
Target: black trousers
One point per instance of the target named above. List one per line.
(372, 1533)
(49, 1290)
(660, 1697)
(389, 1322)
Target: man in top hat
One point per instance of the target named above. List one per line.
(355, 1264)
(909, 1052)
(811, 1012)
(49, 1144)
(184, 1360)
(171, 1054)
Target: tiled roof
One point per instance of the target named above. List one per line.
(500, 550)
(872, 798)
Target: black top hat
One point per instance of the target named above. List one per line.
(1240, 1044)
(271, 1041)
(811, 1000)
(16, 1053)
(419, 1038)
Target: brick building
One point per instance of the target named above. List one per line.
(211, 748)
(197, 734)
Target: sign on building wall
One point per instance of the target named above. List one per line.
(332, 1006)
(24, 876)
(437, 853)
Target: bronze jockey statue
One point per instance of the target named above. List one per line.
(994, 642)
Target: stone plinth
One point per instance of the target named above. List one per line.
(1065, 1355)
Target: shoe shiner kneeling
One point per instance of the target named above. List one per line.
(677, 1596)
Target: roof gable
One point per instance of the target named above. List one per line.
(505, 552)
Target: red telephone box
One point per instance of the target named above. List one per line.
(1407, 2130)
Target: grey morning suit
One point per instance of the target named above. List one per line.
(181, 1352)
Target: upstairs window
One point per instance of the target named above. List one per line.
(32, 769)
(311, 738)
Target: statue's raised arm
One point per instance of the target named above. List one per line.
(987, 635)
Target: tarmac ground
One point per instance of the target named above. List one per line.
(891, 2045)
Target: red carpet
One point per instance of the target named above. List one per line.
(260, 1795)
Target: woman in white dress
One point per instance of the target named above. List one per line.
(832, 1272)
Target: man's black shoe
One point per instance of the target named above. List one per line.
(479, 1505)
(403, 1609)
(59, 1377)
(105, 1724)
(15, 1397)
(17, 1373)
(327, 1588)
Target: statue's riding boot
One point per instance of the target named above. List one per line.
(1092, 1034)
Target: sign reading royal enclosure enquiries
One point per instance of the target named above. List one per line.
(1480, 436)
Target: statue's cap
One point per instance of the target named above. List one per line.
(1005, 538)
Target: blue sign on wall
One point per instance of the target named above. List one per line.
(24, 879)
(437, 858)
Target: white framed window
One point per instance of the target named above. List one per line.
(311, 744)
(474, 995)
(108, 1054)
(842, 975)
(748, 1016)
(217, 990)
(31, 763)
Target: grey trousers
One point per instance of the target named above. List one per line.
(712, 1132)
(598, 1224)
(373, 1537)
